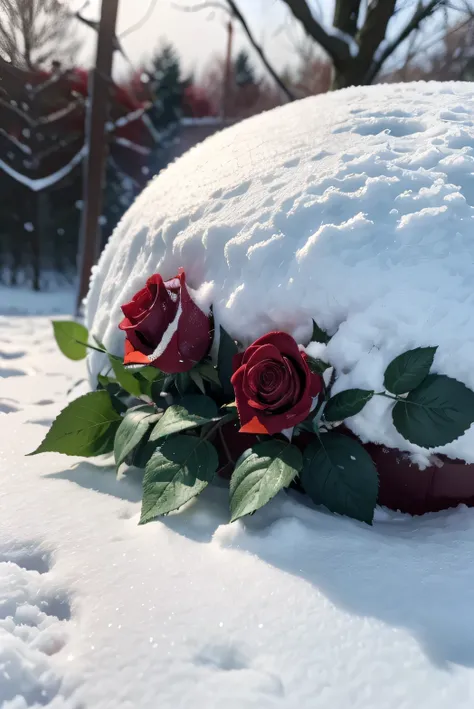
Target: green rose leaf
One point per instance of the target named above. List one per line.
(182, 382)
(132, 429)
(208, 372)
(105, 381)
(319, 335)
(71, 338)
(192, 411)
(178, 471)
(260, 473)
(339, 474)
(86, 427)
(150, 383)
(151, 374)
(408, 370)
(198, 380)
(125, 377)
(140, 455)
(317, 365)
(347, 403)
(227, 350)
(119, 406)
(437, 412)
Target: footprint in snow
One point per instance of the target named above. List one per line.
(41, 422)
(228, 657)
(12, 355)
(10, 372)
(34, 615)
(8, 406)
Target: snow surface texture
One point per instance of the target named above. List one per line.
(354, 208)
(24, 301)
(289, 609)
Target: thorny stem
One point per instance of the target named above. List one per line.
(225, 447)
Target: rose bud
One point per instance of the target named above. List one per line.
(164, 327)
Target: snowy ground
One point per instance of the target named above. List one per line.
(293, 608)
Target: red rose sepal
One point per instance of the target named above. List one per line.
(164, 327)
(274, 387)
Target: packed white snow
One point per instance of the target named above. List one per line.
(289, 609)
(354, 208)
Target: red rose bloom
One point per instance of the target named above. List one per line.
(274, 387)
(164, 327)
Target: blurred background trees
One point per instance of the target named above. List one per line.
(158, 109)
(34, 33)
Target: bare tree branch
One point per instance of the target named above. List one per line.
(346, 14)
(336, 47)
(236, 12)
(232, 8)
(207, 5)
(420, 14)
(143, 20)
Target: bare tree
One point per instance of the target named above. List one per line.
(33, 32)
(451, 57)
(362, 35)
(358, 42)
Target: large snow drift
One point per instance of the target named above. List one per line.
(354, 208)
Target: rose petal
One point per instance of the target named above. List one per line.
(244, 356)
(194, 327)
(171, 360)
(142, 301)
(267, 351)
(276, 423)
(237, 361)
(316, 384)
(138, 305)
(132, 356)
(137, 343)
(245, 410)
(284, 343)
(159, 316)
(253, 426)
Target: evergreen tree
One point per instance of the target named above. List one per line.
(244, 72)
(167, 87)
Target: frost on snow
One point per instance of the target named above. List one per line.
(354, 208)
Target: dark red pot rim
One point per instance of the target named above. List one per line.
(403, 485)
(406, 487)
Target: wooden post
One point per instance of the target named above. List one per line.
(227, 71)
(96, 145)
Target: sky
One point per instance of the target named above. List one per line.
(197, 35)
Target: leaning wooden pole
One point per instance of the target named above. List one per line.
(226, 88)
(96, 147)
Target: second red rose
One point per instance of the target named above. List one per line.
(274, 387)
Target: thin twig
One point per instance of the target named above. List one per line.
(141, 22)
(420, 14)
(234, 11)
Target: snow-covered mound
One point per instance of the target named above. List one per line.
(354, 208)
